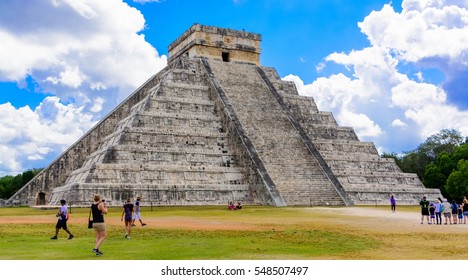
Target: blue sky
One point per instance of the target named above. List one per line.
(395, 71)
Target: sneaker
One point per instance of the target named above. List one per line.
(54, 237)
(143, 224)
(97, 252)
(126, 235)
(71, 236)
(133, 225)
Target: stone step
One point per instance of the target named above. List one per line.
(277, 142)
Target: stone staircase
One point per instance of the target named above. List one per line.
(293, 169)
(172, 149)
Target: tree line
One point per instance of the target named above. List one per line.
(9, 184)
(441, 162)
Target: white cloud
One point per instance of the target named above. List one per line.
(424, 29)
(362, 124)
(71, 77)
(399, 123)
(89, 54)
(97, 107)
(319, 68)
(419, 76)
(77, 45)
(33, 134)
(413, 95)
(383, 103)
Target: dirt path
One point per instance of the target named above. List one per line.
(371, 219)
(378, 219)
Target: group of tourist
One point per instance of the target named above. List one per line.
(130, 213)
(453, 213)
(231, 206)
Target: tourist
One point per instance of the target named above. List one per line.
(465, 209)
(127, 212)
(62, 220)
(98, 209)
(432, 213)
(447, 210)
(136, 213)
(392, 203)
(438, 211)
(460, 213)
(454, 206)
(424, 209)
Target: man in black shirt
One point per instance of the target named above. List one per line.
(424, 209)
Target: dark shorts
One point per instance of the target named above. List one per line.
(424, 211)
(61, 224)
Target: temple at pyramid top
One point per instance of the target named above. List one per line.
(217, 43)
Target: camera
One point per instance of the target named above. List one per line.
(103, 200)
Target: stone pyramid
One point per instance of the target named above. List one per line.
(215, 126)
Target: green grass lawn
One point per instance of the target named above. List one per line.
(274, 233)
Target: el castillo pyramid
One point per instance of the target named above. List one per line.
(216, 126)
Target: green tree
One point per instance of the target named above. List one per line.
(446, 164)
(460, 152)
(415, 162)
(457, 182)
(6, 183)
(444, 142)
(433, 177)
(9, 184)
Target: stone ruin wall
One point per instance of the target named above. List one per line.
(132, 185)
(38, 190)
(211, 42)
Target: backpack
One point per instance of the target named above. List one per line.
(454, 206)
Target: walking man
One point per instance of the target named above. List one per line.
(62, 220)
(136, 213)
